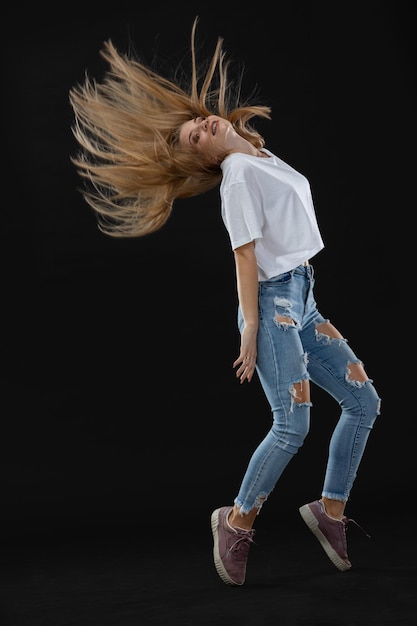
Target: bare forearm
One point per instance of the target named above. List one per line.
(247, 287)
(247, 284)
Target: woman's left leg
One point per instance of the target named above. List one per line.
(334, 367)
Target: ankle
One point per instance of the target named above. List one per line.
(333, 508)
(243, 521)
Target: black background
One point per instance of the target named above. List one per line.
(120, 401)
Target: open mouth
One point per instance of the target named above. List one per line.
(214, 128)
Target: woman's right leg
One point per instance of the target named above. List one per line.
(281, 366)
(286, 385)
(282, 370)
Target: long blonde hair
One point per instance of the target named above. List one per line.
(127, 126)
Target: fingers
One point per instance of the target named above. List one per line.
(245, 360)
(246, 368)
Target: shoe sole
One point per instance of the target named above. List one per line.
(313, 525)
(216, 552)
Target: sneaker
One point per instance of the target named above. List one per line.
(330, 532)
(231, 547)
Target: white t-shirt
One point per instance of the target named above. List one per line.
(266, 201)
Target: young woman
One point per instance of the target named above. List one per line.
(145, 141)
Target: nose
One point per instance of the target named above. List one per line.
(203, 122)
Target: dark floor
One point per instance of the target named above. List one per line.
(125, 576)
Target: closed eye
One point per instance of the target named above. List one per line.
(194, 137)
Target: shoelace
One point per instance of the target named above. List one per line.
(347, 520)
(240, 547)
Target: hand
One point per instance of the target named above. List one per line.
(246, 367)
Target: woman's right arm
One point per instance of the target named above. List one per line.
(247, 289)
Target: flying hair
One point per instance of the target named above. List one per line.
(127, 128)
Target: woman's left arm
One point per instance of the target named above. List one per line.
(247, 288)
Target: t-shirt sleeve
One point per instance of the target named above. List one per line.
(242, 214)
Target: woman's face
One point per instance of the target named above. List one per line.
(213, 137)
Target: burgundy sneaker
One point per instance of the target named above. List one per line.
(330, 532)
(231, 547)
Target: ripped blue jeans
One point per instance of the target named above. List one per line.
(290, 352)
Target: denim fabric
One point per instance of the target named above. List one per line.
(288, 354)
